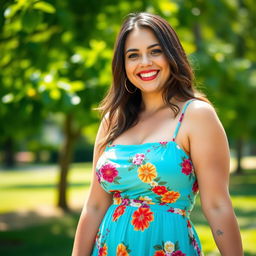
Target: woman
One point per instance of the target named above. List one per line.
(154, 126)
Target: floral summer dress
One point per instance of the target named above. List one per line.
(154, 188)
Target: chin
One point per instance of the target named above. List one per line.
(155, 89)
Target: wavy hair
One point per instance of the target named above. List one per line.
(121, 108)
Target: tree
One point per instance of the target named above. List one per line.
(55, 57)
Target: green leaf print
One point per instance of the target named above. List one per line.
(177, 246)
(162, 183)
(158, 247)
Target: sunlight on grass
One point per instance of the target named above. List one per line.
(249, 240)
(25, 190)
(245, 202)
(207, 241)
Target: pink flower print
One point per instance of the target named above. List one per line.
(125, 201)
(98, 176)
(181, 117)
(117, 194)
(186, 166)
(178, 253)
(171, 210)
(195, 187)
(138, 159)
(163, 143)
(109, 172)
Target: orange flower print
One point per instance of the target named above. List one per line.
(121, 250)
(119, 211)
(116, 196)
(170, 197)
(159, 253)
(146, 199)
(147, 172)
(141, 218)
(159, 190)
(103, 251)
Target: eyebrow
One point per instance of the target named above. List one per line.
(136, 50)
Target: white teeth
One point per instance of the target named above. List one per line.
(148, 74)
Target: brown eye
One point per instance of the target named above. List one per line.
(156, 51)
(133, 55)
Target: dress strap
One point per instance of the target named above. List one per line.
(180, 120)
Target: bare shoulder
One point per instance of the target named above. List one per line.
(202, 114)
(201, 109)
(203, 122)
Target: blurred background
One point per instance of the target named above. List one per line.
(55, 67)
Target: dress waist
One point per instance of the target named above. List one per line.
(150, 204)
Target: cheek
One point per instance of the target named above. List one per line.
(129, 68)
(166, 67)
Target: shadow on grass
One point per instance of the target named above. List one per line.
(54, 236)
(46, 186)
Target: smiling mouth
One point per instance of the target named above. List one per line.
(149, 75)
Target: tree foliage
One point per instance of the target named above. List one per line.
(55, 57)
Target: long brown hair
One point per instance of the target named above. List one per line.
(120, 107)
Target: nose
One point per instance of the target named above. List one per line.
(146, 60)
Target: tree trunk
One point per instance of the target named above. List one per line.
(65, 159)
(9, 160)
(197, 37)
(239, 154)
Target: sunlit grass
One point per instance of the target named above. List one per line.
(32, 188)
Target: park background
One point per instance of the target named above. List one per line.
(55, 67)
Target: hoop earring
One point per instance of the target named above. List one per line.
(125, 85)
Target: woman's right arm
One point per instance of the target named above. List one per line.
(94, 208)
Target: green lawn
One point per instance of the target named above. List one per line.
(24, 191)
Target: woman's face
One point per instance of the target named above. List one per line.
(145, 63)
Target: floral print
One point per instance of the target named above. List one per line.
(138, 159)
(147, 172)
(103, 250)
(141, 218)
(193, 241)
(195, 187)
(109, 173)
(181, 212)
(150, 184)
(178, 253)
(159, 190)
(186, 166)
(170, 197)
(159, 253)
(168, 248)
(100, 242)
(119, 211)
(122, 250)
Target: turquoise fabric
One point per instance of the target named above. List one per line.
(154, 188)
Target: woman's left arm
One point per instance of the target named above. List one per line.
(209, 152)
